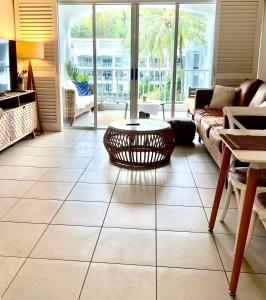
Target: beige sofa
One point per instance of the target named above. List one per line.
(75, 105)
(251, 93)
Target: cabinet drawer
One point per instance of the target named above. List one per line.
(5, 132)
(29, 117)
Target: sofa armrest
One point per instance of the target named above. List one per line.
(203, 97)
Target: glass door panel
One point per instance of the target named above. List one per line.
(155, 60)
(76, 65)
(113, 40)
(194, 48)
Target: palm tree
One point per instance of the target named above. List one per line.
(157, 32)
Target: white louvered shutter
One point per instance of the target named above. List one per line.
(238, 30)
(36, 20)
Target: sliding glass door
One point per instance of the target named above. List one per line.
(76, 65)
(155, 59)
(139, 60)
(113, 42)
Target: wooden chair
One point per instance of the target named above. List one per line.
(237, 176)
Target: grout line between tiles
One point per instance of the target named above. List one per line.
(96, 244)
(216, 246)
(156, 241)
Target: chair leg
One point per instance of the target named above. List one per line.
(227, 200)
(251, 229)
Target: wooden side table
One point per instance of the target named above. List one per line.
(139, 143)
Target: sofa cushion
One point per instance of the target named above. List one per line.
(222, 96)
(246, 92)
(215, 138)
(259, 97)
(203, 112)
(211, 121)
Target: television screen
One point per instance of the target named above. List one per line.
(4, 66)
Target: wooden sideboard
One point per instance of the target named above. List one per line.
(19, 117)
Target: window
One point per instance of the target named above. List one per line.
(196, 64)
(84, 61)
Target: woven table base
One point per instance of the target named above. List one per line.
(139, 149)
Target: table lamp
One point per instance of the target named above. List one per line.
(30, 50)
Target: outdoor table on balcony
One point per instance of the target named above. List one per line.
(139, 143)
(251, 148)
(150, 107)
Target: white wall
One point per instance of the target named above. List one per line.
(262, 60)
(7, 20)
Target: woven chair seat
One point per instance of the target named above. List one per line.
(241, 175)
(262, 199)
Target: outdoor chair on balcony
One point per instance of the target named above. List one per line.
(237, 177)
(75, 104)
(189, 102)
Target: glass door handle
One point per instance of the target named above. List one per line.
(136, 74)
(132, 74)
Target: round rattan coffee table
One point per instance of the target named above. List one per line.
(139, 143)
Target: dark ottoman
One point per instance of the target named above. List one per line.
(184, 130)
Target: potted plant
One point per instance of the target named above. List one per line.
(20, 79)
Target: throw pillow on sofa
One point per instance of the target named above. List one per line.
(83, 88)
(222, 96)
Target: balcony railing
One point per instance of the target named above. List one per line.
(153, 84)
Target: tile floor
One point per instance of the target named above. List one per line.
(73, 226)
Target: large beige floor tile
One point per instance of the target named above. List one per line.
(181, 218)
(6, 204)
(251, 286)
(127, 246)
(189, 284)
(177, 164)
(99, 176)
(206, 180)
(72, 163)
(204, 167)
(91, 192)
(50, 190)
(207, 197)
(63, 175)
(174, 179)
(80, 152)
(124, 282)
(81, 213)
(177, 196)
(130, 216)
(14, 161)
(199, 156)
(38, 161)
(67, 242)
(14, 188)
(134, 194)
(187, 250)
(21, 173)
(18, 239)
(15, 150)
(48, 279)
(33, 211)
(254, 261)
(101, 164)
(8, 269)
(145, 177)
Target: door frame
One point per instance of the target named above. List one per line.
(134, 51)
